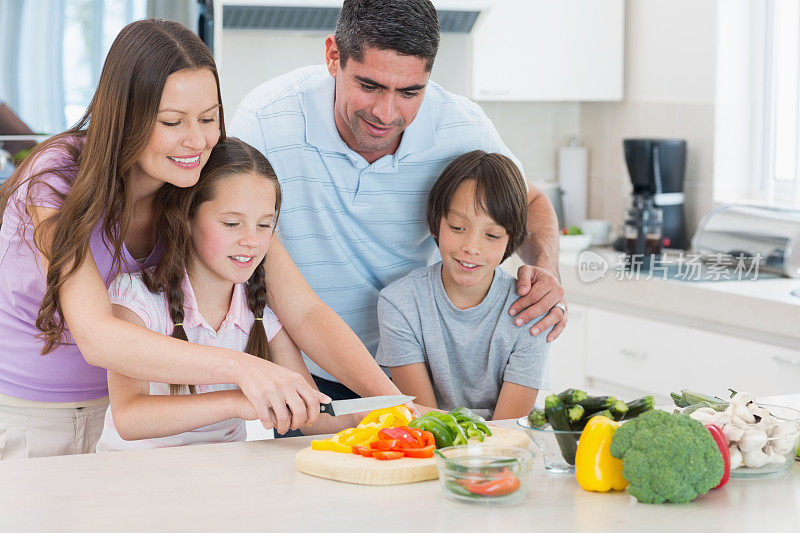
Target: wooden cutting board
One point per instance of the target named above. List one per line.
(351, 468)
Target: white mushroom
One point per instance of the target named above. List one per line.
(754, 458)
(764, 420)
(783, 436)
(777, 459)
(741, 412)
(703, 415)
(721, 418)
(752, 440)
(736, 456)
(734, 430)
(741, 405)
(744, 398)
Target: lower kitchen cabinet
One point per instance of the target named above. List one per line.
(568, 352)
(654, 357)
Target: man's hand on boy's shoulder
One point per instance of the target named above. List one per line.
(540, 294)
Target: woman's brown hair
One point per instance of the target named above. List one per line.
(500, 192)
(177, 207)
(101, 150)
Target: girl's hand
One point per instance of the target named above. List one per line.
(280, 397)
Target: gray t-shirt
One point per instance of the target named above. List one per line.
(469, 352)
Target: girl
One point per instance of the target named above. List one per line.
(80, 209)
(209, 289)
(446, 334)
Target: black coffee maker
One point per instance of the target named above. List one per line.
(656, 168)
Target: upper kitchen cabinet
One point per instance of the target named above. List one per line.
(549, 50)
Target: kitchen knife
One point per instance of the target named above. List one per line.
(359, 405)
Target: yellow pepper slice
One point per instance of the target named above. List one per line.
(400, 413)
(361, 436)
(366, 431)
(595, 469)
(330, 445)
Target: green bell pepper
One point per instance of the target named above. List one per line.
(452, 424)
(441, 433)
(479, 421)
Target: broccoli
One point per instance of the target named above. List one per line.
(667, 457)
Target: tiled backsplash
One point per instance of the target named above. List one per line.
(535, 131)
(605, 125)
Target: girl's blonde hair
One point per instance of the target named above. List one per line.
(176, 209)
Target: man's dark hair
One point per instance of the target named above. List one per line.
(409, 27)
(500, 192)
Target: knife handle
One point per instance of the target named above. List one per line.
(326, 408)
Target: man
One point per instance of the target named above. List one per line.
(357, 146)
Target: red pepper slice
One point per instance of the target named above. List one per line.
(400, 434)
(385, 445)
(416, 433)
(722, 444)
(387, 455)
(363, 451)
(495, 487)
(428, 439)
(420, 453)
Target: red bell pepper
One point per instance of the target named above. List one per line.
(400, 434)
(417, 433)
(420, 453)
(385, 445)
(387, 455)
(428, 439)
(363, 451)
(722, 444)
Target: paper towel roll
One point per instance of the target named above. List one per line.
(572, 176)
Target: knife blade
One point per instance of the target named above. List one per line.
(358, 405)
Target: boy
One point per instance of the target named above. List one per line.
(445, 331)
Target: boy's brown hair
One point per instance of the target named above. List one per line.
(500, 192)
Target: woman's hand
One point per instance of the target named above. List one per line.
(280, 397)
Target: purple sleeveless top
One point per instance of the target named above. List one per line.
(62, 375)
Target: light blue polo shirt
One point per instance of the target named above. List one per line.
(352, 227)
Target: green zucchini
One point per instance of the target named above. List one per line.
(592, 404)
(571, 397)
(580, 424)
(558, 417)
(639, 406)
(618, 410)
(537, 418)
(575, 413)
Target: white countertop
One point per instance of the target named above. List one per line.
(763, 310)
(254, 486)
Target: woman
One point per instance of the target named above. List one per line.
(80, 210)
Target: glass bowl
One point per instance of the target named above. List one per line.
(787, 444)
(484, 474)
(777, 467)
(553, 445)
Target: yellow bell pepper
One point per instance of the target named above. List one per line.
(366, 431)
(595, 469)
(361, 436)
(401, 416)
(330, 445)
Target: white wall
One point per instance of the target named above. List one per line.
(532, 130)
(670, 91)
(687, 72)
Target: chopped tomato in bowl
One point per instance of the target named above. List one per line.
(484, 474)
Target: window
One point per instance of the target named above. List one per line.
(778, 162)
(52, 55)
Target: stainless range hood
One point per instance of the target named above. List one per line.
(321, 15)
